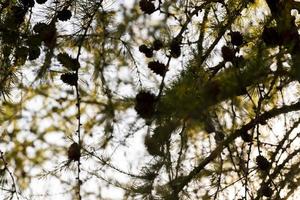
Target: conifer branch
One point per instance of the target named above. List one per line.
(13, 191)
(218, 150)
(78, 98)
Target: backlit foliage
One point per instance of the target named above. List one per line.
(149, 99)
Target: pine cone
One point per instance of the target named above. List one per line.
(266, 190)
(68, 62)
(19, 13)
(236, 38)
(152, 146)
(157, 67)
(28, 3)
(64, 15)
(157, 45)
(227, 53)
(41, 1)
(246, 137)
(262, 163)
(74, 152)
(270, 36)
(175, 48)
(34, 52)
(145, 104)
(69, 78)
(147, 6)
(146, 50)
(48, 35)
(39, 27)
(143, 48)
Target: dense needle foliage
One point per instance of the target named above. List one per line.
(149, 99)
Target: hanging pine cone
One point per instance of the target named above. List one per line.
(145, 104)
(147, 6)
(39, 27)
(46, 33)
(262, 163)
(64, 15)
(74, 152)
(19, 13)
(266, 190)
(270, 36)
(28, 3)
(149, 54)
(214, 89)
(21, 52)
(48, 36)
(246, 137)
(143, 48)
(41, 1)
(69, 78)
(34, 40)
(68, 62)
(157, 67)
(34, 52)
(146, 50)
(227, 53)
(236, 38)
(153, 147)
(175, 47)
(157, 45)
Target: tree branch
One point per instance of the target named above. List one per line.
(218, 150)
